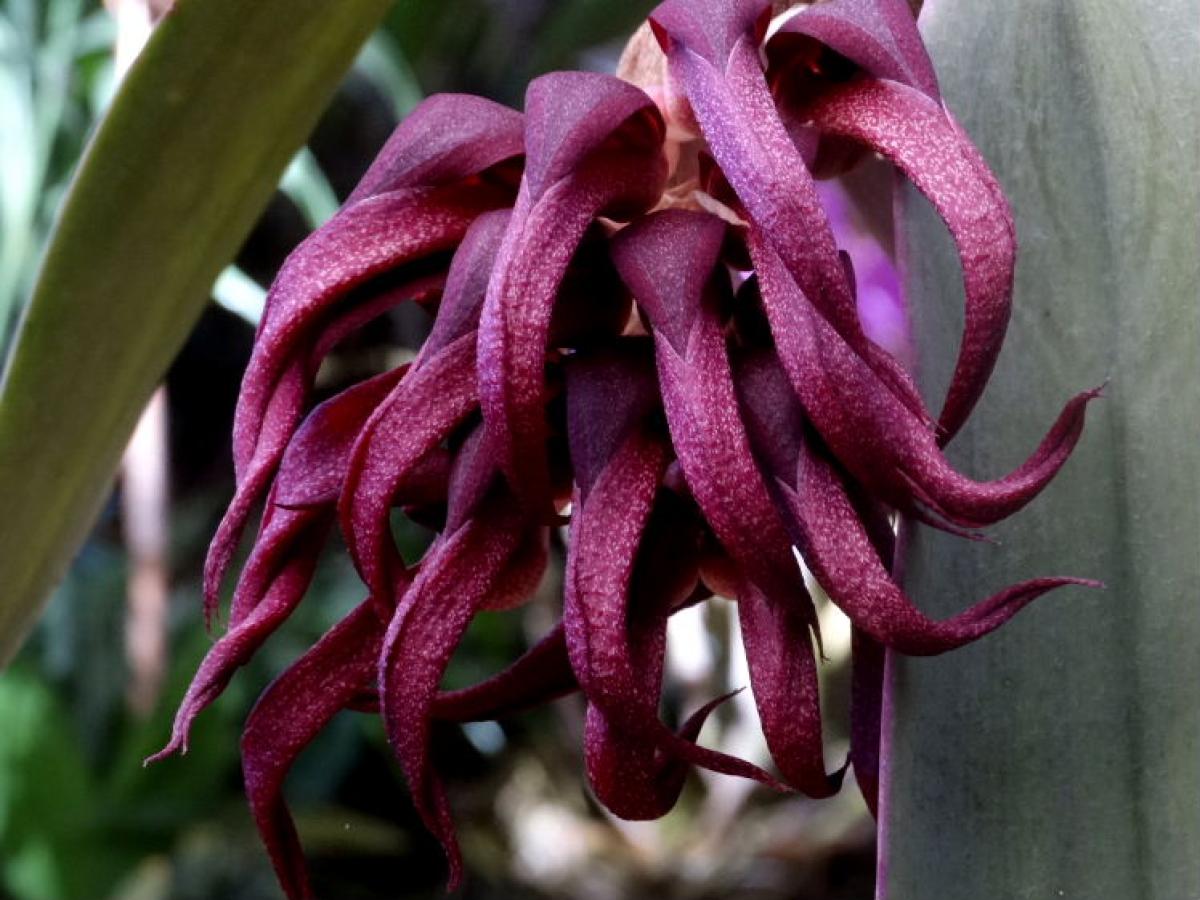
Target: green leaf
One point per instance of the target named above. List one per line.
(1059, 757)
(221, 98)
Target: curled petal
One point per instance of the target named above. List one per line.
(459, 571)
(709, 28)
(774, 419)
(446, 138)
(467, 281)
(571, 115)
(295, 526)
(280, 542)
(279, 422)
(474, 472)
(395, 234)
(874, 435)
(284, 407)
(844, 560)
(698, 392)
(274, 582)
(615, 617)
(628, 777)
(783, 676)
(879, 36)
(594, 148)
(633, 558)
(417, 416)
(522, 574)
(288, 716)
(610, 393)
(912, 132)
(415, 202)
(543, 673)
(313, 468)
(737, 115)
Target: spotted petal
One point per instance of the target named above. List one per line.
(913, 132)
(880, 36)
(633, 558)
(594, 149)
(874, 435)
(458, 573)
(292, 711)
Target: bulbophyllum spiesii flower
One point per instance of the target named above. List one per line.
(645, 331)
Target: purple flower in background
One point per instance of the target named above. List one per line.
(645, 328)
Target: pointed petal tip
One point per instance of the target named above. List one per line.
(666, 259)
(454, 862)
(176, 746)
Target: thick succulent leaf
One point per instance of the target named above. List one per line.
(1058, 756)
(199, 134)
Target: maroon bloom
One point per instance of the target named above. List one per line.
(644, 328)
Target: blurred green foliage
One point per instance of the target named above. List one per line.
(55, 77)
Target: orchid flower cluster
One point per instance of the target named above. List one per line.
(645, 332)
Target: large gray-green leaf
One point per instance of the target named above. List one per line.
(1061, 757)
(203, 126)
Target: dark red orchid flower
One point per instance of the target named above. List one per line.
(645, 328)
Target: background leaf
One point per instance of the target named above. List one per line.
(1059, 758)
(185, 160)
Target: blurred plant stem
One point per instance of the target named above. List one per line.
(145, 468)
(145, 508)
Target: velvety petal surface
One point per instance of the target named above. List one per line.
(873, 434)
(594, 149)
(446, 138)
(626, 573)
(459, 571)
(880, 36)
(417, 416)
(913, 132)
(290, 714)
